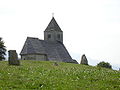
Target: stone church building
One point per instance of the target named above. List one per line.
(49, 49)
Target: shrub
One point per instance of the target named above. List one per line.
(104, 64)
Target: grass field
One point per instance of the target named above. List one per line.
(44, 75)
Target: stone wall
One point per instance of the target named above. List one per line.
(40, 57)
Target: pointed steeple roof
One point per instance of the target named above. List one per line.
(53, 26)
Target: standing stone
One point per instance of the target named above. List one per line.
(13, 58)
(84, 60)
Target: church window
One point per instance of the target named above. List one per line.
(58, 36)
(49, 35)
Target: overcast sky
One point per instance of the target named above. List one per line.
(90, 27)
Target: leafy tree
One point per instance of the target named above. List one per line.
(104, 64)
(2, 50)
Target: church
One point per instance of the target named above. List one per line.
(49, 49)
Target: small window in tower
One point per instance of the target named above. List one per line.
(49, 35)
(58, 36)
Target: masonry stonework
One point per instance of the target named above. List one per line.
(13, 58)
(34, 57)
(51, 48)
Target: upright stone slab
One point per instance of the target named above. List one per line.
(13, 58)
(84, 60)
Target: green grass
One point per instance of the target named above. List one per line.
(44, 75)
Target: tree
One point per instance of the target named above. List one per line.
(104, 64)
(84, 60)
(2, 50)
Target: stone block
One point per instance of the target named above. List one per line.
(55, 64)
(84, 60)
(13, 58)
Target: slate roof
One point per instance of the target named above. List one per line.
(53, 26)
(54, 50)
(32, 45)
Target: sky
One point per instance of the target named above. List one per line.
(90, 27)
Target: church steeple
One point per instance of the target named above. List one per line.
(53, 32)
(53, 26)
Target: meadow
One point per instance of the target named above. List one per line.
(45, 75)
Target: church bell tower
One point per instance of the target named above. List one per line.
(53, 32)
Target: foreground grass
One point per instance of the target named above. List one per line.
(46, 76)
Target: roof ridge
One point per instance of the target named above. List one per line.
(32, 38)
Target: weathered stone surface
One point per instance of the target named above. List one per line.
(53, 32)
(84, 60)
(74, 61)
(55, 51)
(13, 58)
(55, 64)
(52, 46)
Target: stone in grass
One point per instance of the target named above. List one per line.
(13, 58)
(84, 60)
(55, 64)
